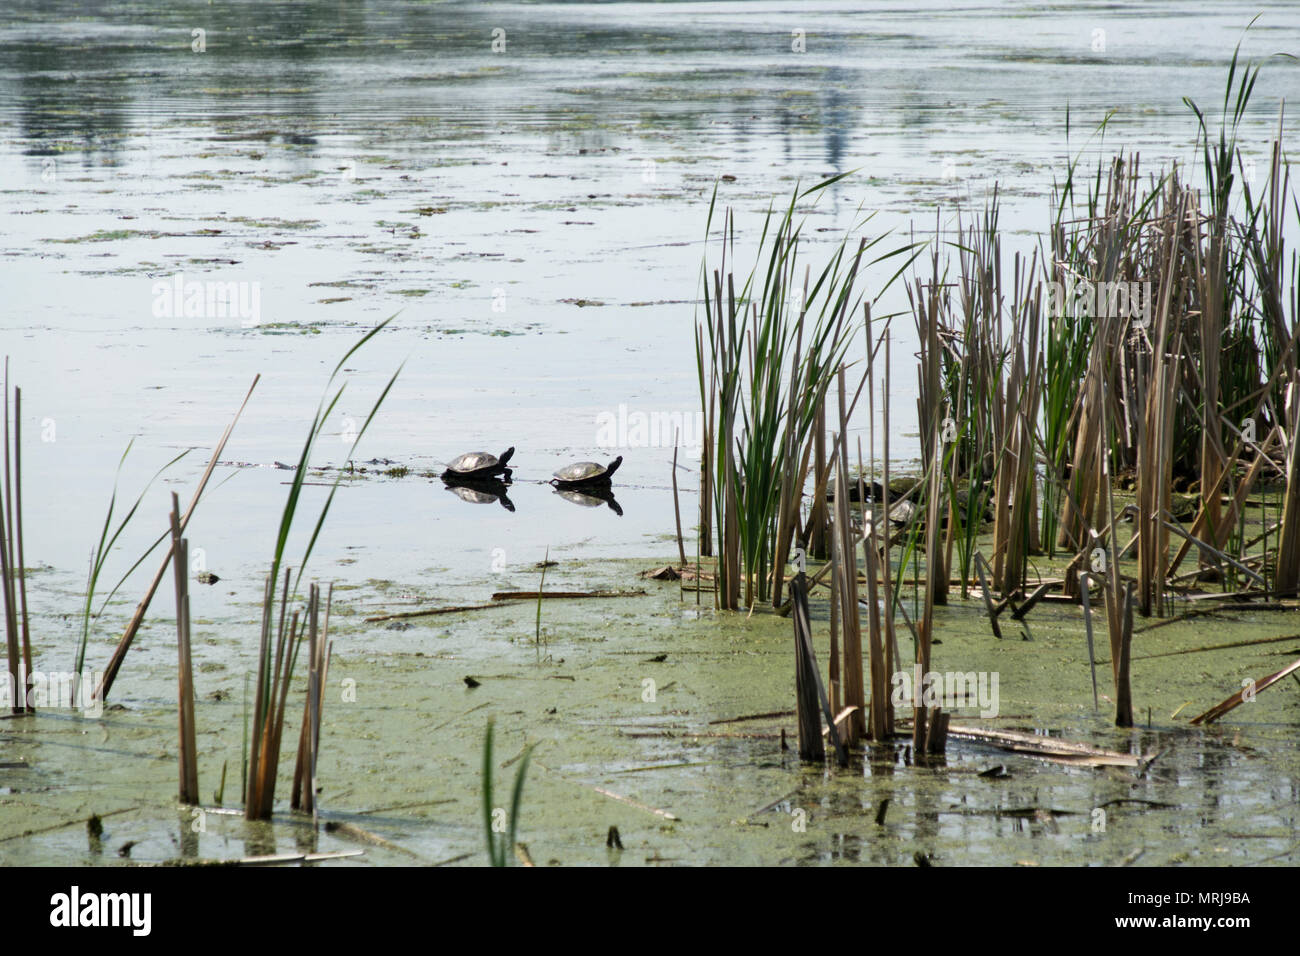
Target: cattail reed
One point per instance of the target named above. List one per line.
(14, 583)
(319, 649)
(187, 749)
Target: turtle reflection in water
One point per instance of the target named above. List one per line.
(480, 491)
(590, 496)
(587, 483)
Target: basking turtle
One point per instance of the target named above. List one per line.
(586, 474)
(478, 465)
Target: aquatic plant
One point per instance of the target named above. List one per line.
(12, 562)
(763, 371)
(278, 646)
(501, 844)
(107, 540)
(128, 635)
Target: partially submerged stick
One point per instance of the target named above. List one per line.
(438, 610)
(677, 508)
(807, 658)
(988, 598)
(806, 695)
(1217, 711)
(1051, 748)
(535, 595)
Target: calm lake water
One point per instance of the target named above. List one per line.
(525, 188)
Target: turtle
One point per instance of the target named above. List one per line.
(586, 473)
(478, 465)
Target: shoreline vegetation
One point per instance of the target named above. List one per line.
(1110, 422)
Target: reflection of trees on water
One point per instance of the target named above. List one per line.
(79, 87)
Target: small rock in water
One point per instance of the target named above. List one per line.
(471, 682)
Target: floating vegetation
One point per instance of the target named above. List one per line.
(111, 235)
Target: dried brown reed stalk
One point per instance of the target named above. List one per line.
(319, 650)
(847, 581)
(187, 750)
(12, 563)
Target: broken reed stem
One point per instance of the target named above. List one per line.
(677, 507)
(318, 649)
(15, 676)
(187, 749)
(807, 704)
(809, 691)
(980, 566)
(818, 514)
(22, 561)
(1119, 612)
(891, 636)
(252, 790)
(854, 689)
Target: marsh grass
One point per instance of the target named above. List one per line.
(12, 561)
(108, 537)
(1143, 363)
(282, 632)
(501, 844)
(767, 350)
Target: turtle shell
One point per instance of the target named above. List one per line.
(582, 471)
(473, 461)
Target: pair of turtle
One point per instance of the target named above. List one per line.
(481, 466)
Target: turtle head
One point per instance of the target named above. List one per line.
(613, 466)
(505, 455)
